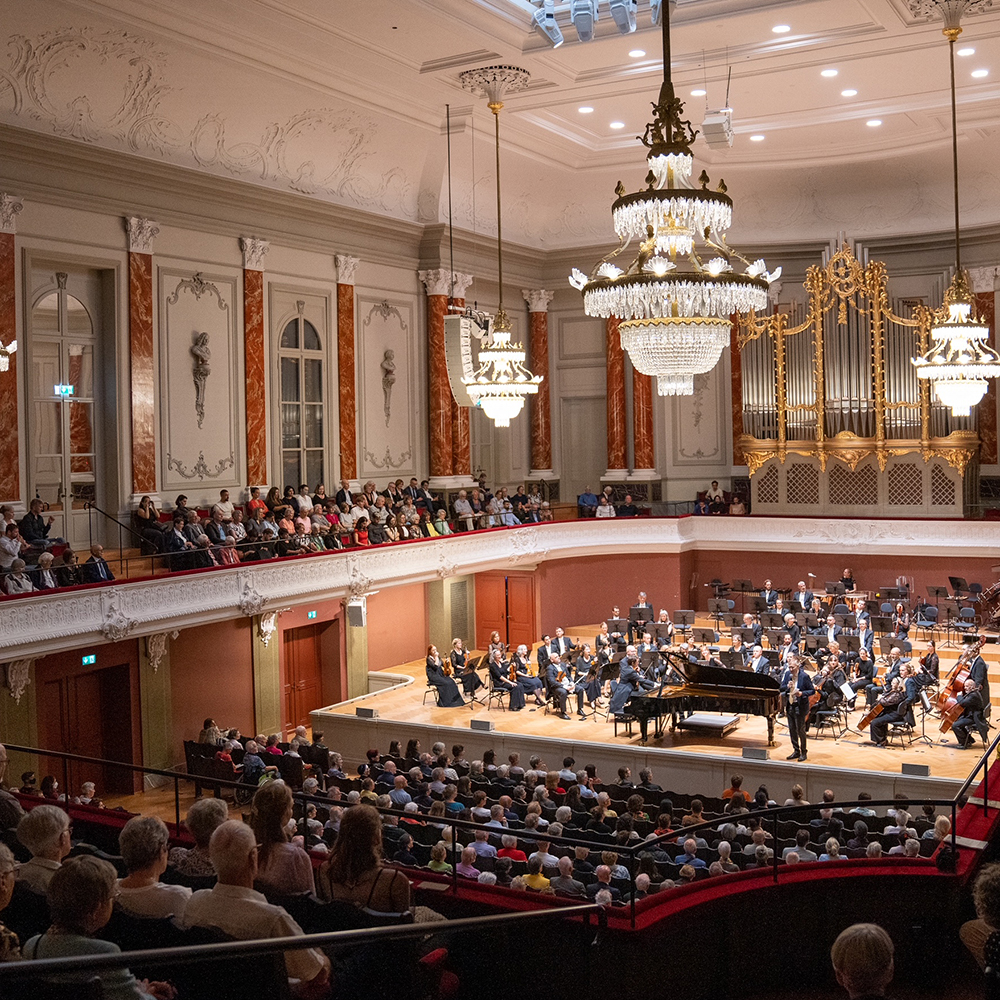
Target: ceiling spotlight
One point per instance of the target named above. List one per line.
(756, 138)
(637, 53)
(849, 93)
(623, 14)
(829, 73)
(544, 19)
(781, 29)
(698, 93)
(617, 125)
(968, 51)
(978, 74)
(583, 14)
(874, 122)
(585, 110)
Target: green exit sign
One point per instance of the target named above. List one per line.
(312, 614)
(89, 660)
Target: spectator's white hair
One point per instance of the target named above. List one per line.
(487, 878)
(230, 849)
(41, 828)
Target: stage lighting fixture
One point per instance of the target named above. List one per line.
(544, 19)
(623, 14)
(583, 14)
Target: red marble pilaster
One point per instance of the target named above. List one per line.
(986, 307)
(10, 479)
(737, 388)
(615, 397)
(140, 309)
(439, 397)
(254, 375)
(642, 420)
(539, 406)
(347, 382)
(461, 443)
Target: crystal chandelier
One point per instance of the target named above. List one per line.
(675, 299)
(960, 361)
(5, 353)
(502, 382)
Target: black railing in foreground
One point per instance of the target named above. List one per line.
(631, 851)
(329, 941)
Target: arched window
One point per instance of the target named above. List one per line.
(300, 360)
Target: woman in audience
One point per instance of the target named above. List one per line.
(798, 797)
(438, 862)
(50, 788)
(10, 947)
(69, 574)
(402, 528)
(143, 846)
(940, 831)
(425, 528)
(441, 525)
(273, 499)
(360, 534)
(146, 523)
(17, 581)
(81, 898)
(354, 873)
(832, 850)
(282, 865)
(204, 816)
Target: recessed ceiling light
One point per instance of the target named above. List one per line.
(698, 93)
(585, 110)
(756, 138)
(637, 53)
(781, 29)
(617, 125)
(874, 122)
(849, 93)
(968, 51)
(829, 73)
(978, 74)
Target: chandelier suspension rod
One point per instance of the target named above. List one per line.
(954, 149)
(667, 90)
(496, 119)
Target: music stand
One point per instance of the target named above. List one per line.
(732, 619)
(617, 625)
(846, 621)
(771, 619)
(776, 637)
(705, 635)
(881, 624)
(732, 659)
(683, 620)
(938, 594)
(849, 643)
(812, 642)
(660, 630)
(717, 607)
(748, 636)
(834, 587)
(648, 657)
(925, 704)
(959, 584)
(743, 585)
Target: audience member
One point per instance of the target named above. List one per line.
(862, 958)
(204, 817)
(45, 832)
(281, 864)
(143, 845)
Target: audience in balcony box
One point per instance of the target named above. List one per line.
(605, 507)
(17, 581)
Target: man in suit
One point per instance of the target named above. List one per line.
(866, 637)
(564, 884)
(629, 681)
(971, 718)
(543, 652)
(786, 650)
(603, 874)
(758, 662)
(901, 711)
(216, 528)
(562, 644)
(344, 494)
(830, 630)
(96, 568)
(978, 672)
(769, 594)
(796, 687)
(561, 688)
(803, 596)
(645, 611)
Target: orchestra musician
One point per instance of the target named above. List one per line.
(739, 648)
(930, 666)
(495, 644)
(900, 623)
(561, 686)
(862, 671)
(617, 637)
(586, 672)
(830, 629)
(562, 644)
(900, 709)
(603, 640)
(861, 612)
(646, 646)
(971, 718)
(500, 680)
(792, 628)
(749, 621)
(664, 620)
(471, 681)
(828, 681)
(978, 672)
(448, 693)
(803, 596)
(769, 594)
(629, 681)
(847, 581)
(816, 608)
(530, 685)
(796, 687)
(758, 662)
(645, 611)
(543, 653)
(866, 637)
(894, 665)
(786, 649)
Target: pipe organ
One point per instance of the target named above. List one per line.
(834, 418)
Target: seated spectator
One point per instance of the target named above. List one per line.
(482, 846)
(69, 574)
(17, 581)
(535, 879)
(604, 507)
(801, 847)
(940, 831)
(694, 817)
(761, 857)
(228, 554)
(203, 818)
(832, 850)
(50, 788)
(80, 898)
(233, 907)
(565, 885)
(464, 512)
(271, 745)
(628, 508)
(143, 846)
(44, 578)
(738, 507)
(10, 946)
(862, 959)
(253, 767)
(798, 797)
(45, 832)
(860, 839)
(510, 849)
(874, 850)
(29, 784)
(716, 500)
(466, 867)
(603, 884)
(725, 849)
(438, 862)
(210, 733)
(587, 502)
(282, 865)
(35, 528)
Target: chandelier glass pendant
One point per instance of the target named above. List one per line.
(5, 353)
(676, 297)
(502, 382)
(960, 361)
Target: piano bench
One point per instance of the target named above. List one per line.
(626, 720)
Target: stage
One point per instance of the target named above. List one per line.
(681, 761)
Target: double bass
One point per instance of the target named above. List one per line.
(954, 686)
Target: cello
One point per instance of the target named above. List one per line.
(954, 686)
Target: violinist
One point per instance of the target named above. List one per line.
(900, 623)
(561, 687)
(495, 644)
(519, 672)
(898, 701)
(460, 669)
(500, 681)
(971, 718)
(448, 693)
(586, 673)
(603, 640)
(930, 666)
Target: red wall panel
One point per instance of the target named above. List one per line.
(397, 626)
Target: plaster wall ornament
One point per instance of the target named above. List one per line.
(388, 379)
(201, 371)
(141, 233)
(116, 625)
(437, 281)
(251, 600)
(983, 278)
(156, 647)
(254, 252)
(266, 626)
(18, 674)
(346, 268)
(931, 7)
(10, 207)
(538, 299)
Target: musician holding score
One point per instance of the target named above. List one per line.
(796, 687)
(971, 718)
(469, 679)
(561, 686)
(500, 680)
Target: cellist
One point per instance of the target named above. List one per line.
(978, 670)
(971, 718)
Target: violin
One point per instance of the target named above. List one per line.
(513, 672)
(446, 668)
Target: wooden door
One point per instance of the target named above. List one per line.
(521, 610)
(303, 673)
(506, 603)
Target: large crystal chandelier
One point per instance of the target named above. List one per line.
(502, 382)
(960, 362)
(5, 353)
(675, 299)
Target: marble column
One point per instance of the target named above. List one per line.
(346, 376)
(643, 459)
(439, 398)
(737, 393)
(254, 252)
(141, 233)
(461, 443)
(539, 406)
(984, 281)
(615, 403)
(10, 462)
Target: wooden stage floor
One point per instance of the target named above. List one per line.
(402, 706)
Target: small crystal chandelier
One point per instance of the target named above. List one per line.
(675, 299)
(5, 353)
(502, 382)
(960, 362)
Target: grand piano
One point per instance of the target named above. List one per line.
(706, 688)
